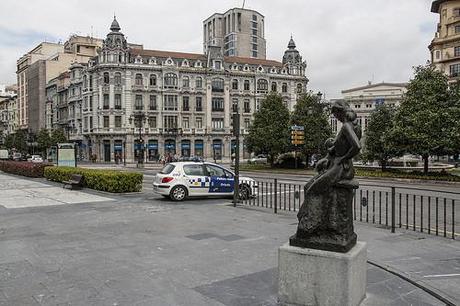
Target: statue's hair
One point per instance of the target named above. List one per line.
(350, 114)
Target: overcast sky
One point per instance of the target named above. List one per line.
(345, 43)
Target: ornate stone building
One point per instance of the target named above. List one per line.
(130, 101)
(445, 46)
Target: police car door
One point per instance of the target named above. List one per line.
(196, 180)
(221, 181)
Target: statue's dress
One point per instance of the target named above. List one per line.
(326, 212)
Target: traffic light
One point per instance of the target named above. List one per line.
(297, 137)
(236, 124)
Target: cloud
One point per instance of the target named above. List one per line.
(345, 43)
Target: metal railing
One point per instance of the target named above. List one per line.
(428, 211)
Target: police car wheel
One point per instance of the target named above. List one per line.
(244, 192)
(178, 193)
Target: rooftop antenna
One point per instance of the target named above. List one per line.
(91, 31)
(244, 1)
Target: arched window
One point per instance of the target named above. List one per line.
(284, 87)
(153, 80)
(235, 84)
(199, 82)
(85, 82)
(246, 85)
(262, 85)
(120, 57)
(170, 80)
(106, 78)
(299, 88)
(117, 78)
(274, 86)
(139, 80)
(217, 85)
(185, 81)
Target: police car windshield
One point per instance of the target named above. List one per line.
(167, 169)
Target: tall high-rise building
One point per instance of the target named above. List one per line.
(445, 46)
(239, 32)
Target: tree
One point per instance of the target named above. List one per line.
(311, 113)
(427, 122)
(378, 145)
(20, 141)
(58, 136)
(44, 141)
(269, 132)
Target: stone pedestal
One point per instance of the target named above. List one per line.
(316, 277)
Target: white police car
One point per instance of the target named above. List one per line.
(180, 180)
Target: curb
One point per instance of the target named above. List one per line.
(436, 293)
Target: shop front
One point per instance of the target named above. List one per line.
(185, 148)
(199, 148)
(217, 149)
(118, 151)
(152, 148)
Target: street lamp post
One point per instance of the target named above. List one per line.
(139, 120)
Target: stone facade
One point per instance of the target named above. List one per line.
(128, 100)
(445, 46)
(8, 112)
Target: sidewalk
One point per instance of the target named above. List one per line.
(142, 250)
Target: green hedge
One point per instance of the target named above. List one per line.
(103, 180)
(23, 168)
(417, 175)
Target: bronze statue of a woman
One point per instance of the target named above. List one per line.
(326, 215)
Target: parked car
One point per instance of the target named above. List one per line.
(16, 156)
(259, 159)
(35, 159)
(180, 180)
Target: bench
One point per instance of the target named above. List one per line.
(75, 182)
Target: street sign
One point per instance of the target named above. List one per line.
(297, 128)
(298, 142)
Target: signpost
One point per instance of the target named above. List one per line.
(297, 139)
(236, 179)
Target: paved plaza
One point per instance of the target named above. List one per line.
(62, 247)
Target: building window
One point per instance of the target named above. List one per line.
(247, 106)
(274, 86)
(170, 80)
(258, 102)
(217, 104)
(217, 65)
(457, 29)
(262, 85)
(170, 122)
(199, 82)
(117, 101)
(199, 104)
(106, 78)
(254, 53)
(118, 121)
(254, 17)
(185, 82)
(438, 54)
(299, 88)
(170, 103)
(153, 80)
(247, 123)
(454, 70)
(91, 103)
(254, 32)
(456, 12)
(199, 123)
(153, 122)
(139, 80)
(217, 123)
(153, 102)
(217, 85)
(185, 104)
(456, 51)
(185, 122)
(106, 101)
(235, 105)
(284, 88)
(246, 85)
(117, 78)
(138, 103)
(235, 84)
(106, 121)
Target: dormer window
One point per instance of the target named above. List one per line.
(169, 62)
(185, 63)
(246, 68)
(198, 64)
(138, 59)
(152, 61)
(260, 69)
